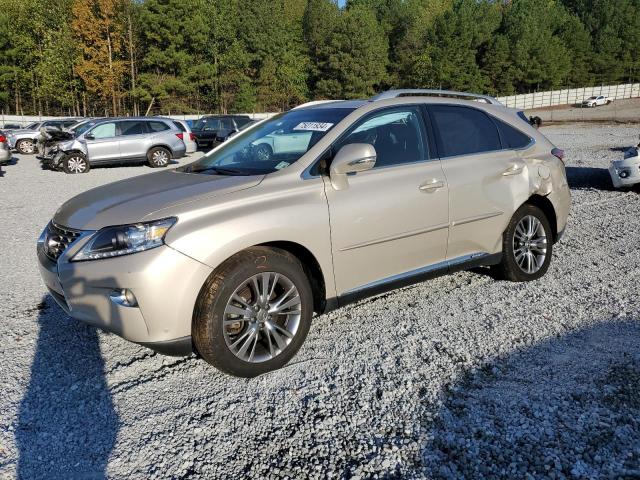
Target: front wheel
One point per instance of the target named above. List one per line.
(254, 312)
(527, 245)
(75, 163)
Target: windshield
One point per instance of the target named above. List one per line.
(32, 126)
(272, 145)
(592, 98)
(82, 127)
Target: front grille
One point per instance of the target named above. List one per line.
(57, 239)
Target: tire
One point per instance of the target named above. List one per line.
(26, 146)
(158, 157)
(75, 162)
(517, 265)
(263, 152)
(224, 344)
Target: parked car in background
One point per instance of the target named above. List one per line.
(596, 100)
(25, 140)
(188, 137)
(50, 137)
(626, 172)
(208, 128)
(5, 150)
(224, 135)
(11, 126)
(231, 255)
(118, 140)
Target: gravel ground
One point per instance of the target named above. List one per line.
(625, 111)
(462, 376)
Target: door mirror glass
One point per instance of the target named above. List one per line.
(89, 136)
(352, 158)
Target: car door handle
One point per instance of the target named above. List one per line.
(431, 185)
(514, 169)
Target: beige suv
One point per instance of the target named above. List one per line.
(311, 209)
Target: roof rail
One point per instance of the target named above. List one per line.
(411, 92)
(315, 102)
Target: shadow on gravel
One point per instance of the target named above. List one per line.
(589, 177)
(67, 423)
(565, 408)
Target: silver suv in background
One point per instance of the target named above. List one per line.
(26, 139)
(231, 255)
(119, 140)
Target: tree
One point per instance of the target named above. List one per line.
(349, 50)
(100, 33)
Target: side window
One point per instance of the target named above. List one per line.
(227, 124)
(104, 130)
(511, 137)
(396, 135)
(157, 126)
(179, 126)
(210, 124)
(463, 130)
(132, 128)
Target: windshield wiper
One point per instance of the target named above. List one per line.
(219, 170)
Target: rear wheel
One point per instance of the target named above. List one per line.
(254, 312)
(26, 146)
(527, 245)
(75, 163)
(159, 157)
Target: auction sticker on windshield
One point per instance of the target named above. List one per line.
(313, 126)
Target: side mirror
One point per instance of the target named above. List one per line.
(89, 136)
(352, 158)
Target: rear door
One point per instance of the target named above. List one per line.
(103, 144)
(487, 182)
(393, 219)
(132, 134)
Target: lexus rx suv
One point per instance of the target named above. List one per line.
(231, 256)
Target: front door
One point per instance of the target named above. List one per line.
(391, 220)
(103, 146)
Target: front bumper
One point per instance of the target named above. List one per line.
(165, 283)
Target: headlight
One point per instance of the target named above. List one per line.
(124, 240)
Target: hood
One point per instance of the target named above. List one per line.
(23, 130)
(136, 199)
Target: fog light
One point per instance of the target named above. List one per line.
(124, 297)
(623, 173)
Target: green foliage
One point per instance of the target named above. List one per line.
(266, 55)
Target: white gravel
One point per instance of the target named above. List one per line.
(462, 376)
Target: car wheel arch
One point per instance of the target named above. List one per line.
(309, 262)
(544, 204)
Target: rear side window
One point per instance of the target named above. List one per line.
(132, 128)
(227, 124)
(511, 137)
(157, 126)
(240, 121)
(463, 131)
(179, 126)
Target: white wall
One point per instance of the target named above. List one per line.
(570, 96)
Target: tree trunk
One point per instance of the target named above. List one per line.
(114, 102)
(132, 59)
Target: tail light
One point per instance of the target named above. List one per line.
(558, 153)
(192, 137)
(180, 136)
(3, 139)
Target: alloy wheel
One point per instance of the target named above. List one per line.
(262, 317)
(76, 164)
(160, 157)
(27, 146)
(530, 244)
